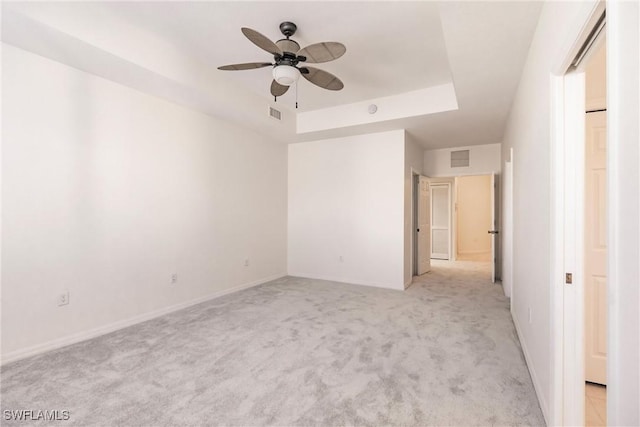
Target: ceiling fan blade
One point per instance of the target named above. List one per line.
(277, 89)
(246, 66)
(261, 41)
(322, 52)
(322, 78)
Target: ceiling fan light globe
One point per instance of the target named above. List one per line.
(286, 75)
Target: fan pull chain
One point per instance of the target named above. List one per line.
(296, 95)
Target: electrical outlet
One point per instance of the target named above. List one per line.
(174, 278)
(63, 298)
(246, 262)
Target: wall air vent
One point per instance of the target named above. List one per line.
(460, 159)
(275, 114)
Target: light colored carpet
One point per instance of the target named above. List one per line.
(299, 352)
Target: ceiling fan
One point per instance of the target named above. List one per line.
(287, 56)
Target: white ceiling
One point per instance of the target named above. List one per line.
(392, 47)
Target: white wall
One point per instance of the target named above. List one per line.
(346, 198)
(528, 132)
(413, 160)
(483, 159)
(623, 87)
(473, 218)
(108, 191)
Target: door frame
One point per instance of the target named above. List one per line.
(449, 215)
(507, 226)
(567, 190)
(568, 106)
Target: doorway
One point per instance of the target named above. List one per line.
(464, 219)
(580, 222)
(595, 237)
(622, 209)
(474, 218)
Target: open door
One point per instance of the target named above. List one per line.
(595, 280)
(424, 226)
(494, 230)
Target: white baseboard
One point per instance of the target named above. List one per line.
(347, 280)
(534, 377)
(102, 330)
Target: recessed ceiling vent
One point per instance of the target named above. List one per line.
(275, 114)
(460, 159)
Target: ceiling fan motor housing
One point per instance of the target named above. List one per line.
(288, 45)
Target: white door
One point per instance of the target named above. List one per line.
(424, 226)
(507, 229)
(494, 230)
(440, 220)
(596, 248)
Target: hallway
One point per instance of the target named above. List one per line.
(300, 352)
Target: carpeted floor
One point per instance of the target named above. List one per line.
(299, 352)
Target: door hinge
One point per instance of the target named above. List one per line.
(568, 278)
